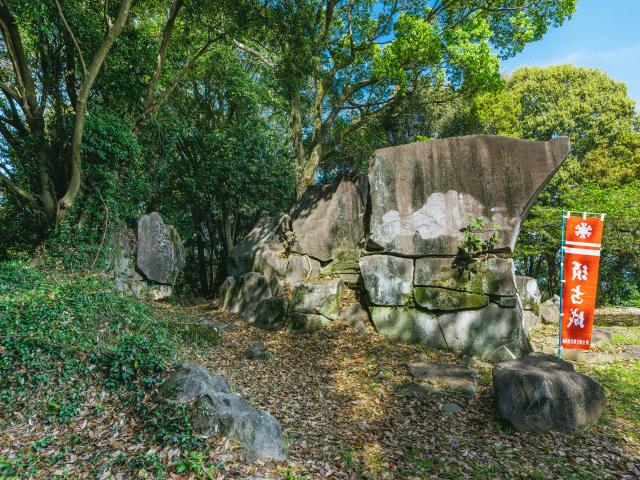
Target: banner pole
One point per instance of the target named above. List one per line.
(561, 284)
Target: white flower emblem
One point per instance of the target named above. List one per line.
(583, 230)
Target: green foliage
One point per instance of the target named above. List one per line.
(60, 332)
(473, 243)
(602, 173)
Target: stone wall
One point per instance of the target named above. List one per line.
(395, 238)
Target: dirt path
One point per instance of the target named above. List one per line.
(341, 423)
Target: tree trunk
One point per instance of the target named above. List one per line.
(307, 170)
(296, 135)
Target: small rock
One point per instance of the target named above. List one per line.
(257, 351)
(451, 408)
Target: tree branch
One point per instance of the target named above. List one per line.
(255, 53)
(167, 91)
(13, 188)
(162, 52)
(81, 107)
(73, 38)
(28, 98)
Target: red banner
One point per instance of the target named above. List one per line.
(581, 256)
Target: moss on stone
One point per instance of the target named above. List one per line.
(434, 298)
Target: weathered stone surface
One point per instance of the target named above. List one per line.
(345, 265)
(508, 302)
(160, 251)
(301, 268)
(217, 410)
(530, 320)
(159, 292)
(436, 298)
(409, 325)
(387, 279)
(188, 381)
(485, 333)
(204, 329)
(271, 313)
(320, 298)
(448, 375)
(421, 193)
(491, 276)
(306, 322)
(529, 292)
(260, 249)
(542, 393)
(257, 431)
(243, 294)
(356, 316)
(451, 408)
(330, 217)
(422, 390)
(550, 311)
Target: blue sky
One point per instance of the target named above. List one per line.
(602, 33)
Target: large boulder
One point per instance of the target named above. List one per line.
(550, 311)
(422, 193)
(272, 313)
(542, 393)
(409, 325)
(160, 251)
(489, 276)
(218, 411)
(189, 381)
(261, 249)
(492, 333)
(330, 217)
(387, 279)
(530, 296)
(318, 298)
(244, 294)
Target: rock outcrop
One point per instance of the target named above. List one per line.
(330, 218)
(216, 410)
(542, 393)
(422, 193)
(305, 258)
(530, 297)
(405, 249)
(550, 310)
(422, 284)
(147, 261)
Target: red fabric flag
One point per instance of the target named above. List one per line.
(581, 254)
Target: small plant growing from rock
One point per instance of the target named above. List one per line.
(473, 247)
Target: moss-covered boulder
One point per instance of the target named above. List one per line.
(489, 276)
(436, 298)
(319, 298)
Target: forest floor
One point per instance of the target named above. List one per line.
(339, 418)
(341, 422)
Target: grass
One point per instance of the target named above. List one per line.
(72, 349)
(622, 382)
